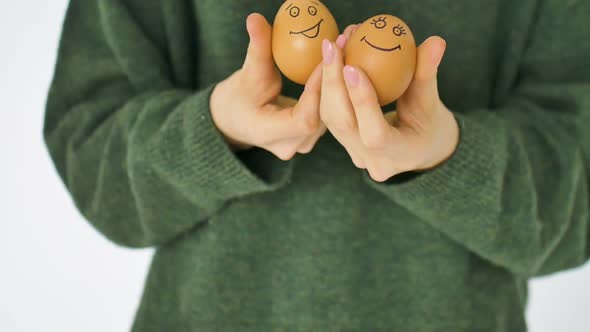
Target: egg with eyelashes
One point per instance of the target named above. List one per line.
(383, 47)
(298, 30)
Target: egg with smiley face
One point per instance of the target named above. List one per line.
(298, 30)
(384, 48)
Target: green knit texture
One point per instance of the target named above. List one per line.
(247, 242)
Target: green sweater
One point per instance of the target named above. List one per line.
(247, 242)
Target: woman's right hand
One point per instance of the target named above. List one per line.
(248, 109)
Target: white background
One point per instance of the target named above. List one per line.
(56, 272)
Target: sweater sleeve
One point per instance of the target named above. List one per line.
(515, 192)
(130, 137)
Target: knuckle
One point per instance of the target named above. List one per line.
(362, 98)
(264, 84)
(345, 125)
(358, 163)
(378, 173)
(310, 123)
(375, 139)
(305, 149)
(330, 77)
(284, 154)
(313, 87)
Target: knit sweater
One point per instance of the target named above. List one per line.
(247, 242)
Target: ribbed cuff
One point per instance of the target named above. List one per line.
(216, 167)
(467, 182)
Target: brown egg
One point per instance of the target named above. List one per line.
(298, 30)
(384, 48)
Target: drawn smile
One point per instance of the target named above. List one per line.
(312, 32)
(398, 47)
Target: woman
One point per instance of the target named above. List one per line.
(172, 128)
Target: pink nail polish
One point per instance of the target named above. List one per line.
(327, 51)
(351, 76)
(340, 41)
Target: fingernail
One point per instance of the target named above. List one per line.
(340, 41)
(351, 76)
(327, 51)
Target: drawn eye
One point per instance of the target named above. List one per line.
(294, 11)
(379, 23)
(312, 10)
(398, 30)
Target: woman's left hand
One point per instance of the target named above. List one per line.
(420, 135)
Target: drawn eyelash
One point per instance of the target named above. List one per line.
(399, 30)
(379, 22)
(375, 20)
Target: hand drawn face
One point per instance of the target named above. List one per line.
(383, 33)
(303, 17)
(384, 47)
(298, 30)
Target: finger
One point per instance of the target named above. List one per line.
(308, 105)
(259, 53)
(283, 149)
(308, 143)
(349, 30)
(381, 169)
(345, 36)
(307, 109)
(424, 87)
(354, 147)
(357, 160)
(375, 131)
(335, 107)
(289, 118)
(341, 41)
(430, 54)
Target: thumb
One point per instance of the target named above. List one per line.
(259, 56)
(424, 86)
